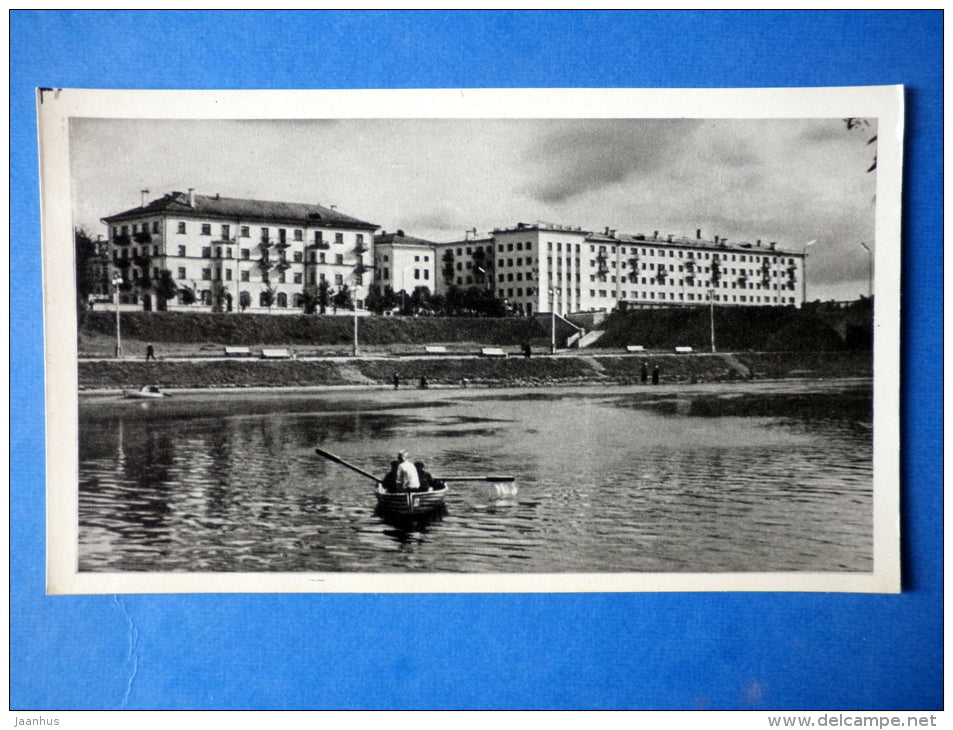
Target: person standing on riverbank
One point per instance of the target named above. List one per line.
(655, 375)
(150, 352)
(645, 372)
(396, 381)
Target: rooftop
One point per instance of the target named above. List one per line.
(241, 210)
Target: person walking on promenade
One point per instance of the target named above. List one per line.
(423, 382)
(655, 375)
(150, 353)
(396, 381)
(645, 372)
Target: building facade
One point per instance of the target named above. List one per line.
(403, 263)
(233, 254)
(543, 267)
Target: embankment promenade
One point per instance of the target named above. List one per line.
(98, 375)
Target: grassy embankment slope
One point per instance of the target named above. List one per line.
(811, 349)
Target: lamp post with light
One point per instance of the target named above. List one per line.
(117, 282)
(554, 294)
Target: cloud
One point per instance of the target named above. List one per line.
(579, 157)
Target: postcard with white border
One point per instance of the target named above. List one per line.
(523, 340)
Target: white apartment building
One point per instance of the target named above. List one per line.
(403, 262)
(543, 267)
(233, 254)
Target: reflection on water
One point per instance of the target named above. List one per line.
(726, 478)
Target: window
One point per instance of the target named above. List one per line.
(246, 253)
(339, 238)
(299, 234)
(281, 277)
(338, 279)
(244, 232)
(207, 274)
(245, 276)
(206, 252)
(228, 252)
(181, 250)
(426, 274)
(181, 272)
(155, 228)
(339, 258)
(228, 274)
(297, 257)
(416, 273)
(297, 278)
(264, 234)
(206, 229)
(226, 231)
(359, 238)
(181, 228)
(282, 234)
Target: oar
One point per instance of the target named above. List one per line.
(476, 479)
(339, 460)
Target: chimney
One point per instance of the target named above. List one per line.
(774, 245)
(698, 233)
(759, 243)
(716, 239)
(191, 197)
(612, 232)
(669, 237)
(655, 235)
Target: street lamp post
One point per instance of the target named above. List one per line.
(870, 269)
(554, 294)
(117, 282)
(354, 304)
(711, 316)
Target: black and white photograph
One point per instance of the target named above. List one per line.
(485, 341)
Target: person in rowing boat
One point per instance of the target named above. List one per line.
(390, 481)
(427, 482)
(407, 477)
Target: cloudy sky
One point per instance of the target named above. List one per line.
(790, 181)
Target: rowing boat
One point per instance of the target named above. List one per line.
(146, 392)
(411, 504)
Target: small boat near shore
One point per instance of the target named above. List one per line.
(146, 392)
(411, 504)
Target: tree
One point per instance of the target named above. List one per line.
(342, 299)
(187, 296)
(324, 295)
(165, 289)
(857, 123)
(86, 253)
(309, 299)
(420, 300)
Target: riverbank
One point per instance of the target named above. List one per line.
(442, 371)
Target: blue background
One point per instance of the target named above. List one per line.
(641, 651)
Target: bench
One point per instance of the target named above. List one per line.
(436, 350)
(492, 352)
(634, 348)
(683, 349)
(275, 354)
(237, 351)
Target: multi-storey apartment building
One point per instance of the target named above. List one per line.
(465, 263)
(403, 262)
(544, 267)
(230, 254)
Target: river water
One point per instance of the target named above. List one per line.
(702, 478)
